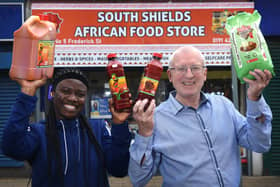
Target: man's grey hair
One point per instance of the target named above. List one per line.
(185, 49)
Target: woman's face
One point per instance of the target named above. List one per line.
(69, 98)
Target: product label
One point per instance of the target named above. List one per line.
(249, 48)
(118, 85)
(45, 53)
(148, 86)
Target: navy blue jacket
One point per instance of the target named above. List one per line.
(24, 141)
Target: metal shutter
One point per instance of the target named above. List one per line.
(8, 91)
(272, 95)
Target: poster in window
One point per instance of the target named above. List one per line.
(100, 108)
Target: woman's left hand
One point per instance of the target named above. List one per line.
(118, 117)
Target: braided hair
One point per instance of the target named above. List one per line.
(52, 135)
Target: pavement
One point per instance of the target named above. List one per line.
(252, 181)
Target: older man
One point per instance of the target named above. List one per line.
(193, 138)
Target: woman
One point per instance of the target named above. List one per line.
(67, 150)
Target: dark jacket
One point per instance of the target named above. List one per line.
(24, 141)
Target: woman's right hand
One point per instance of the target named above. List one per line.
(30, 87)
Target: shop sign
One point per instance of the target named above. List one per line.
(88, 32)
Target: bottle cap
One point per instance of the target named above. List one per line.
(157, 55)
(111, 56)
(53, 18)
(44, 17)
(50, 17)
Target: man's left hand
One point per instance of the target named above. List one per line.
(256, 86)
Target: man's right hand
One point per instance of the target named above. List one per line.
(144, 119)
(30, 87)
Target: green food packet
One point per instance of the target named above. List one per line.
(249, 48)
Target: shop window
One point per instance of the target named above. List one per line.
(218, 82)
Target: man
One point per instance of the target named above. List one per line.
(193, 138)
(67, 150)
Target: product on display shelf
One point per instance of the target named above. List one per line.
(34, 48)
(249, 48)
(117, 83)
(150, 79)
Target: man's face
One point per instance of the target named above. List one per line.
(187, 82)
(69, 98)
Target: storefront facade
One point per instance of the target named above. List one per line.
(134, 31)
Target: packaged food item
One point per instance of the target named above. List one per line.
(249, 48)
(117, 83)
(33, 48)
(150, 79)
